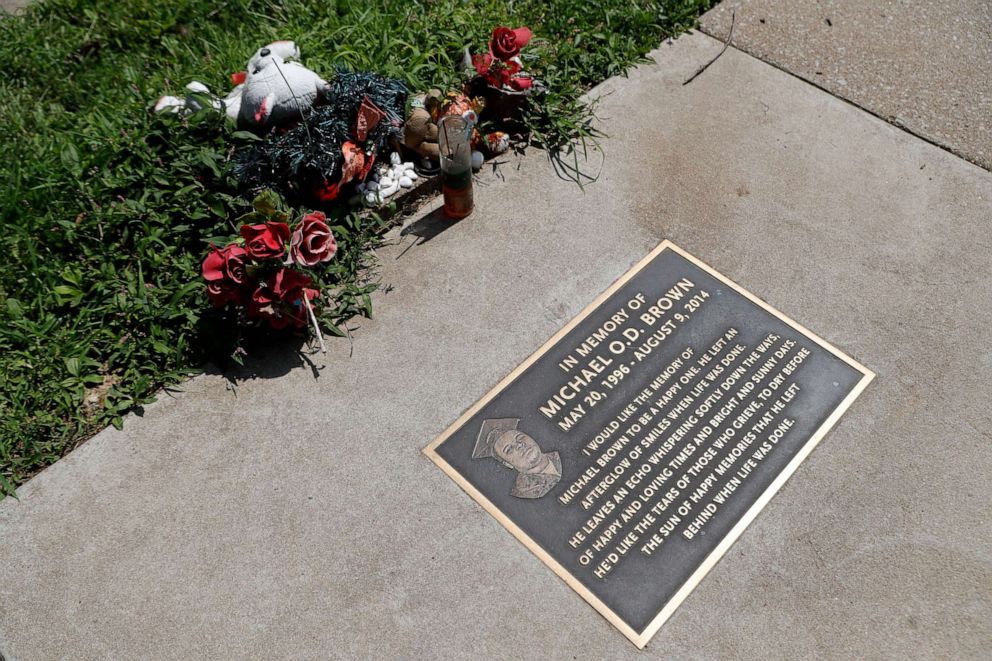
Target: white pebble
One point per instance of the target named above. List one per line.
(406, 182)
(385, 182)
(412, 174)
(386, 192)
(394, 158)
(373, 197)
(408, 165)
(477, 160)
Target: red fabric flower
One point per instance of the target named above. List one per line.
(312, 242)
(520, 83)
(279, 298)
(482, 63)
(225, 271)
(266, 241)
(506, 43)
(500, 73)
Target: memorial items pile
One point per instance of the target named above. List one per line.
(332, 146)
(500, 78)
(421, 132)
(494, 91)
(315, 137)
(108, 206)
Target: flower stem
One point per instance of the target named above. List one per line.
(313, 320)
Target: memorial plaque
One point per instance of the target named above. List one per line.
(632, 449)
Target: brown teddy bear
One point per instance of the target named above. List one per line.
(420, 131)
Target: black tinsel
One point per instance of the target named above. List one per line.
(297, 160)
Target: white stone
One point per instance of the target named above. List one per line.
(395, 158)
(406, 182)
(386, 192)
(477, 160)
(412, 174)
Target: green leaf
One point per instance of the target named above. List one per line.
(73, 365)
(70, 159)
(267, 203)
(14, 308)
(7, 487)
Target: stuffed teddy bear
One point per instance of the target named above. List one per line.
(276, 90)
(420, 131)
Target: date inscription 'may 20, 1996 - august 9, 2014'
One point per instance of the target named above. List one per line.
(632, 449)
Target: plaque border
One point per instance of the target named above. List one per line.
(641, 639)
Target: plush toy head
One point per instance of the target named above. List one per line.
(276, 91)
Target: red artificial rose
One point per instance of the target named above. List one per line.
(506, 43)
(279, 298)
(288, 284)
(266, 241)
(312, 242)
(223, 292)
(520, 83)
(482, 63)
(225, 271)
(500, 73)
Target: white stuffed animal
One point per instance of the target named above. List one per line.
(276, 90)
(273, 90)
(190, 103)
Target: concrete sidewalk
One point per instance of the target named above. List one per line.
(920, 64)
(296, 518)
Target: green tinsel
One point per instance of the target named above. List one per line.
(296, 161)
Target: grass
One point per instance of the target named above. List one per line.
(107, 208)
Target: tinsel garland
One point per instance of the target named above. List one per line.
(308, 155)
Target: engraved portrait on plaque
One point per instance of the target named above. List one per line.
(537, 471)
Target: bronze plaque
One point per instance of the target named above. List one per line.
(634, 447)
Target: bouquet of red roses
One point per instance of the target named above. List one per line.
(501, 66)
(260, 273)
